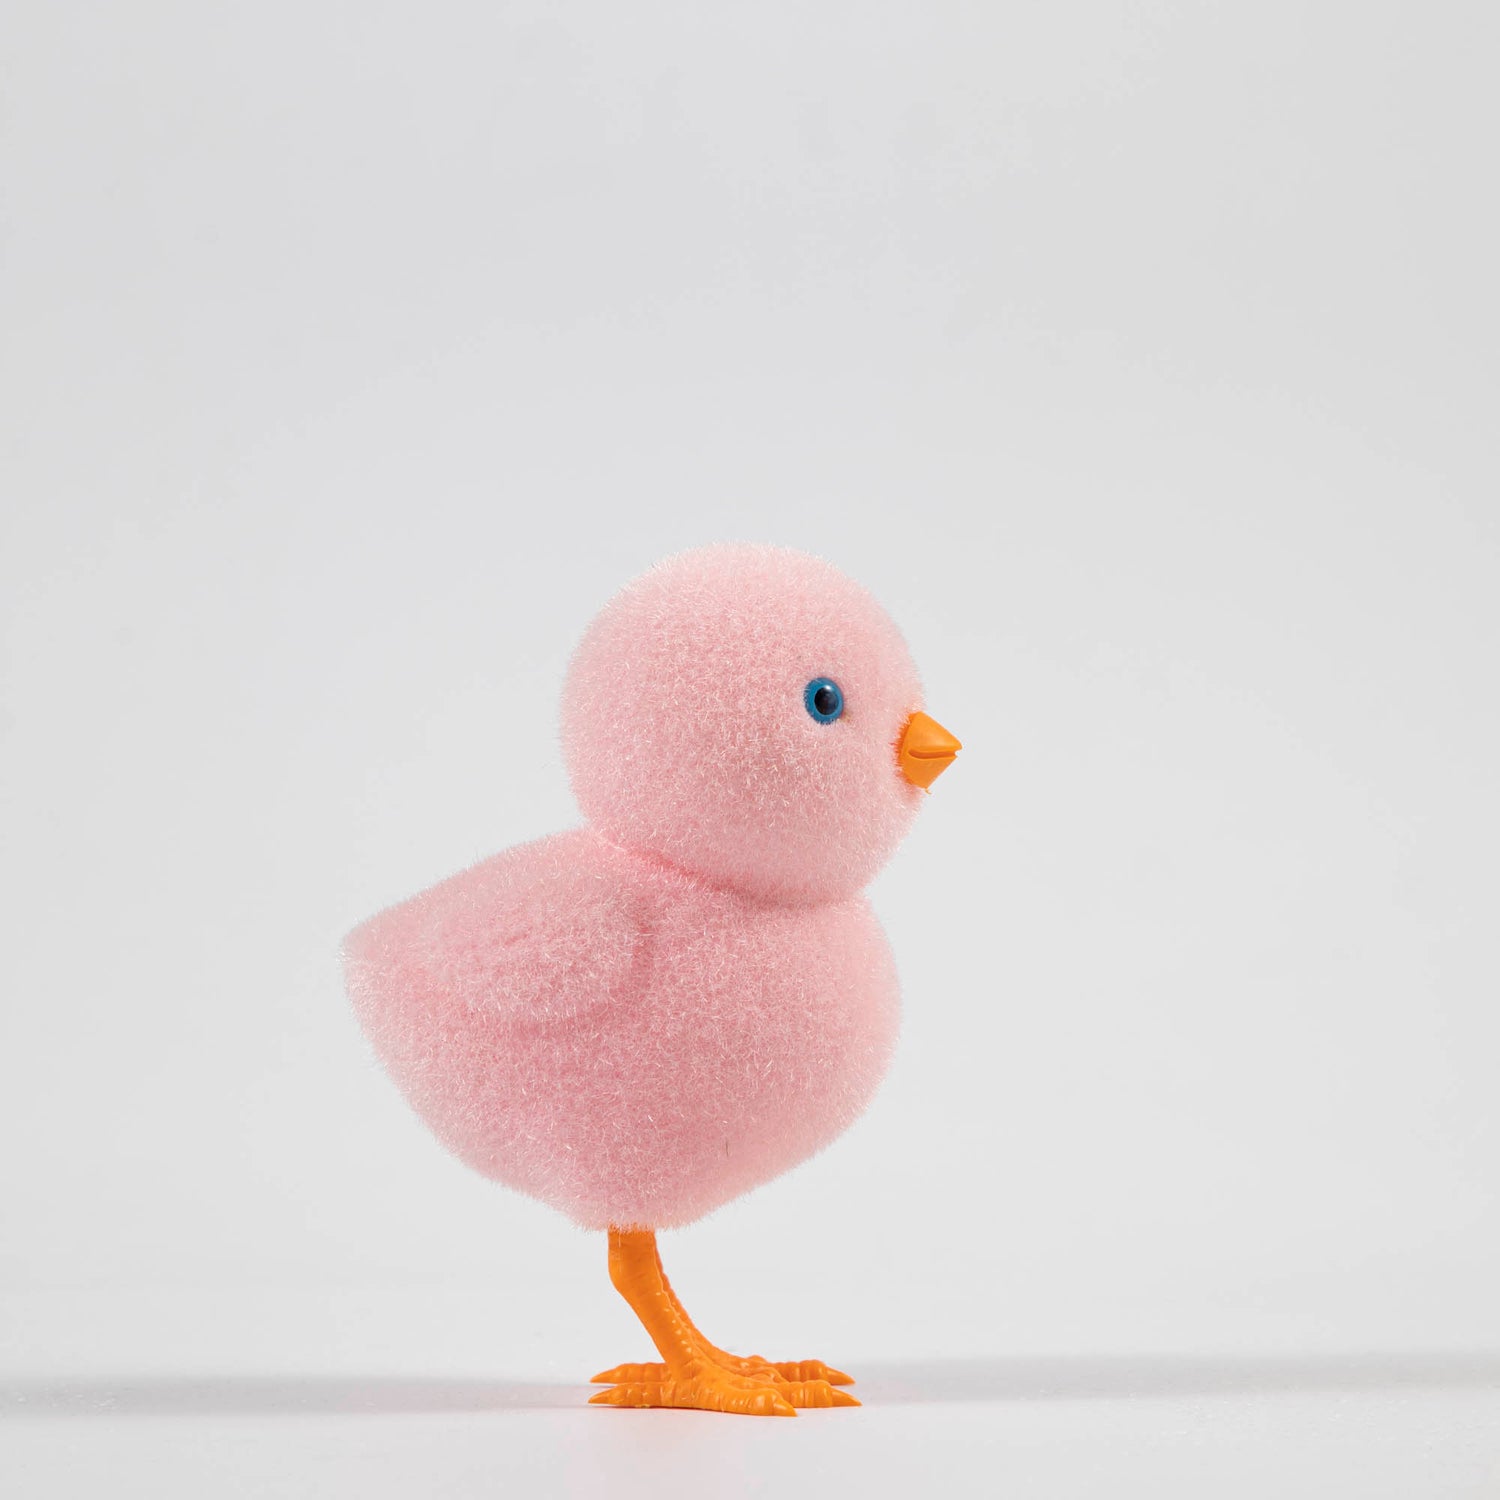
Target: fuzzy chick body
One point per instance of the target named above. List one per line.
(618, 1039)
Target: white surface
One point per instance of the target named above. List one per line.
(430, 1392)
(1140, 357)
(1215, 1430)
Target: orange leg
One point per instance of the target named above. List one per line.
(693, 1372)
(794, 1370)
(797, 1371)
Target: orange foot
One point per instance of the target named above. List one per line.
(694, 1372)
(796, 1383)
(703, 1387)
(788, 1369)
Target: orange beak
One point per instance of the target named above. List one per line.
(925, 750)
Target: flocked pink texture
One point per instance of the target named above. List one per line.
(644, 1018)
(685, 731)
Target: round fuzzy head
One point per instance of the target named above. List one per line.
(736, 711)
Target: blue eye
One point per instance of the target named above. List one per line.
(823, 699)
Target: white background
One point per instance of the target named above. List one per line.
(1140, 357)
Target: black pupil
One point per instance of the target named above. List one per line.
(826, 700)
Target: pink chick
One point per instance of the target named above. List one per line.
(639, 1020)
